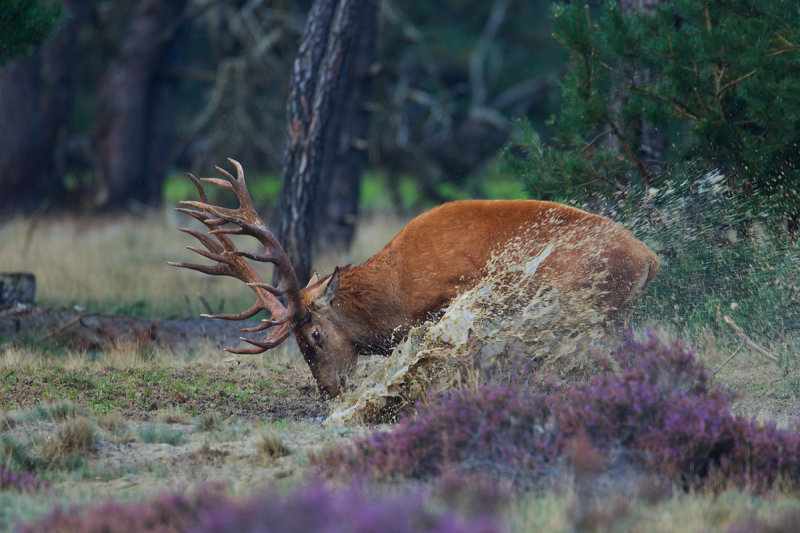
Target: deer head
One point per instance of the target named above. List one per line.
(310, 314)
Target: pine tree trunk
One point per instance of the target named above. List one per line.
(21, 161)
(346, 150)
(36, 102)
(323, 110)
(124, 169)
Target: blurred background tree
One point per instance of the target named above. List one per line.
(126, 92)
(29, 100)
(24, 25)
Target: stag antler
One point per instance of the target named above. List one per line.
(219, 247)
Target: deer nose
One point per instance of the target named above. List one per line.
(328, 392)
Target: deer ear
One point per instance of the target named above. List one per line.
(332, 288)
(314, 279)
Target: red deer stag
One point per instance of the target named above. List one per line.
(367, 308)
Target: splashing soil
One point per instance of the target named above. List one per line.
(529, 305)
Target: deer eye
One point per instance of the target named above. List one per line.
(315, 336)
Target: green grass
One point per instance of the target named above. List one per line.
(158, 433)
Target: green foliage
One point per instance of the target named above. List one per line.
(157, 433)
(720, 79)
(264, 190)
(719, 256)
(24, 24)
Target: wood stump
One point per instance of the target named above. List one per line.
(16, 288)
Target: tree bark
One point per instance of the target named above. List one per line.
(124, 168)
(321, 92)
(36, 101)
(21, 155)
(346, 146)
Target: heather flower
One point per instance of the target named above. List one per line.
(310, 508)
(167, 513)
(494, 428)
(11, 480)
(349, 509)
(659, 404)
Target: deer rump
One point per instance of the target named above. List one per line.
(439, 254)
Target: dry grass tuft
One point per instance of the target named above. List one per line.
(112, 421)
(271, 446)
(118, 263)
(210, 421)
(73, 439)
(172, 415)
(7, 422)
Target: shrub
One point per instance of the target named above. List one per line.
(659, 405)
(10, 480)
(311, 508)
(157, 433)
(716, 79)
(164, 514)
(72, 441)
(704, 233)
(315, 508)
(494, 428)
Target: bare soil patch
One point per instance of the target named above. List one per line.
(85, 331)
(239, 388)
(252, 393)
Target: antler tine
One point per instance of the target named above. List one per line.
(207, 241)
(201, 192)
(232, 262)
(212, 270)
(277, 336)
(253, 311)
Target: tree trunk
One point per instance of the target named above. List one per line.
(124, 169)
(22, 153)
(36, 100)
(320, 95)
(345, 147)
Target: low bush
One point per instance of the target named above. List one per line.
(310, 508)
(73, 440)
(11, 480)
(661, 403)
(658, 407)
(164, 514)
(158, 433)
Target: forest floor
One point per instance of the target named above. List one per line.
(168, 410)
(171, 411)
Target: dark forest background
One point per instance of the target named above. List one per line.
(103, 103)
(122, 93)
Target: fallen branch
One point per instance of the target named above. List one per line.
(68, 325)
(741, 344)
(747, 340)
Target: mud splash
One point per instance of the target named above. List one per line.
(510, 313)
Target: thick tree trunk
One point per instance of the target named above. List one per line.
(21, 141)
(320, 93)
(346, 146)
(126, 122)
(36, 101)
